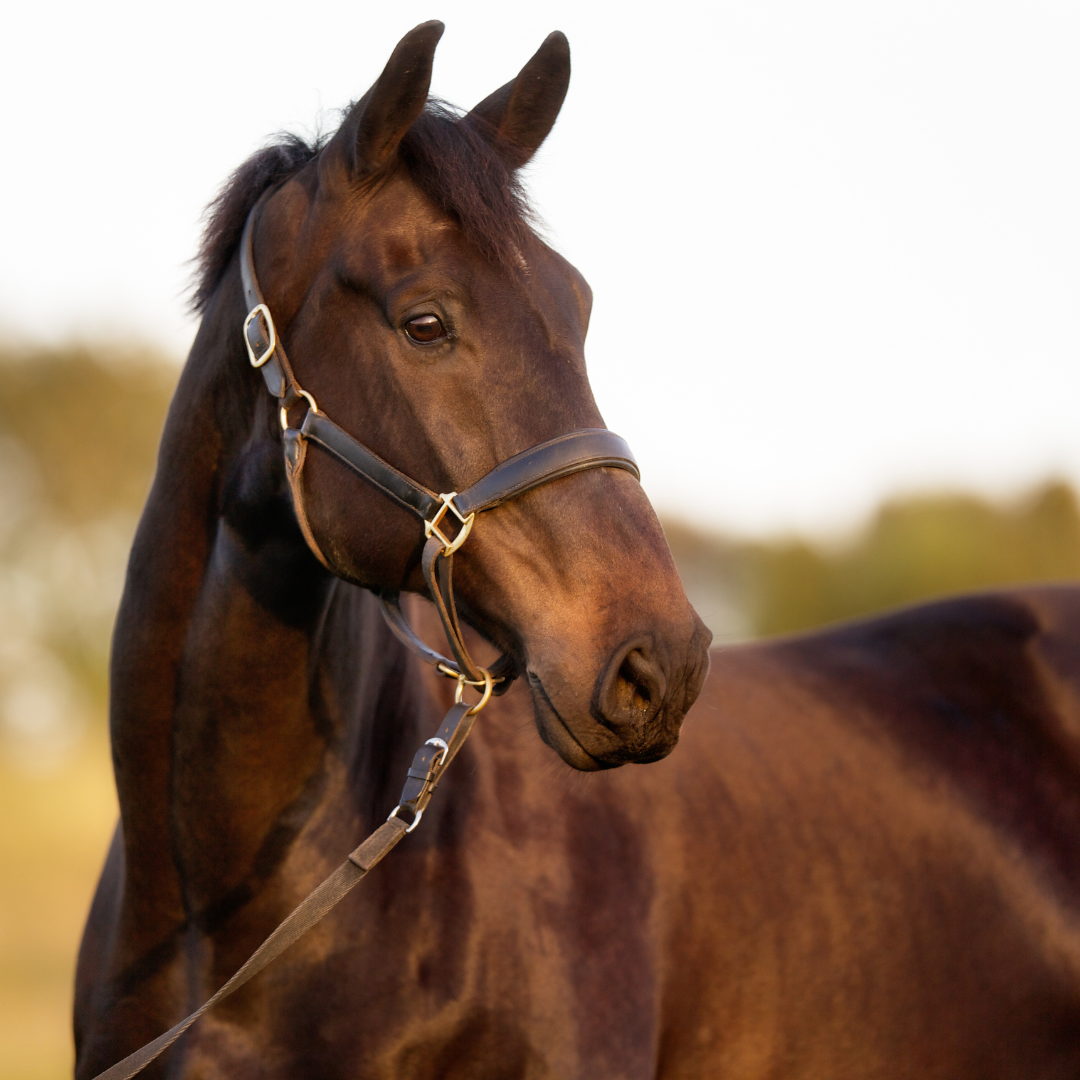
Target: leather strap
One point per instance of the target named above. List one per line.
(431, 760)
(295, 455)
(399, 626)
(393, 484)
(589, 448)
(317, 904)
(276, 371)
(438, 571)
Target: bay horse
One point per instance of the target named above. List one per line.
(862, 861)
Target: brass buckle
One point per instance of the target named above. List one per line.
(264, 311)
(432, 526)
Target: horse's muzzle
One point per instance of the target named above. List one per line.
(637, 706)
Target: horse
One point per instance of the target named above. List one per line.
(861, 860)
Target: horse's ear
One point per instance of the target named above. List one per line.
(523, 112)
(378, 121)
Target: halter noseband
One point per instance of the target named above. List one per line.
(591, 448)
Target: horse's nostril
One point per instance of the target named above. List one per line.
(632, 692)
(638, 691)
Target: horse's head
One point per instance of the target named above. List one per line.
(430, 322)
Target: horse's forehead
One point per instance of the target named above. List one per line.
(397, 230)
(399, 233)
(405, 244)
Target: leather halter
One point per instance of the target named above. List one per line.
(576, 451)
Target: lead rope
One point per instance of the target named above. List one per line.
(428, 766)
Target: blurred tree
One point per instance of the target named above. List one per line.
(90, 420)
(913, 549)
(78, 435)
(78, 431)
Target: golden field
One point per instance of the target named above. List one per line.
(54, 830)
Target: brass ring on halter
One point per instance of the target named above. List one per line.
(285, 412)
(488, 683)
(453, 673)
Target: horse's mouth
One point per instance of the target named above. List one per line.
(555, 731)
(557, 734)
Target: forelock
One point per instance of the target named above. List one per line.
(454, 161)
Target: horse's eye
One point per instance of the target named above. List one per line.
(425, 329)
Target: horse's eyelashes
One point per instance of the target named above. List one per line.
(425, 329)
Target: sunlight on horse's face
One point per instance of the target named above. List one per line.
(446, 362)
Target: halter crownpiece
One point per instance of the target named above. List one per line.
(576, 451)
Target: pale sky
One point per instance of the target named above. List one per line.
(835, 247)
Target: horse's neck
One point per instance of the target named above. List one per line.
(229, 687)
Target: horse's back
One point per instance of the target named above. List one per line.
(868, 850)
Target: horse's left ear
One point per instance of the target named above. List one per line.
(370, 134)
(523, 112)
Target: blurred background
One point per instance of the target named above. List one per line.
(836, 256)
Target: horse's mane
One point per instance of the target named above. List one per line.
(454, 163)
